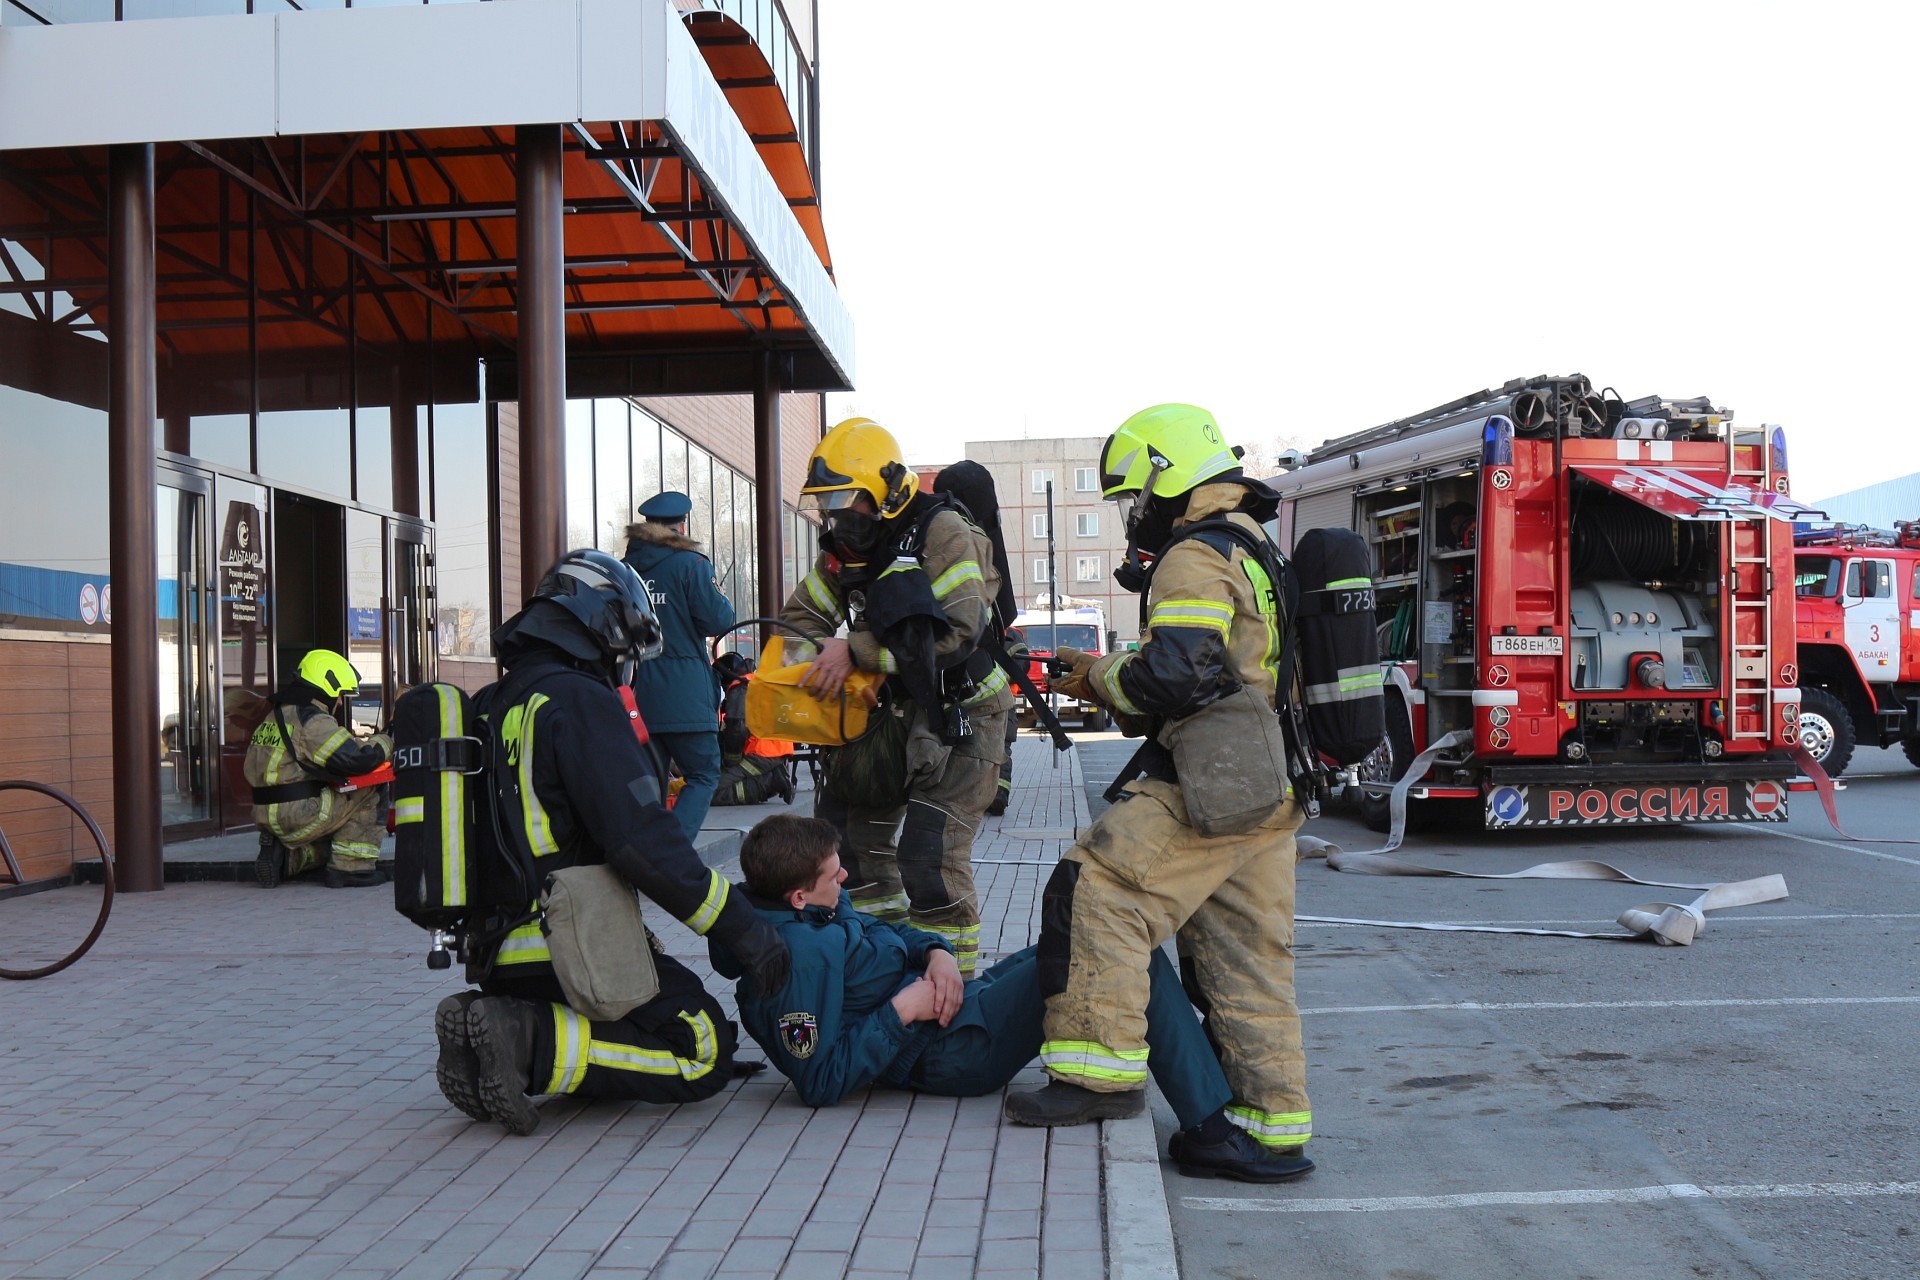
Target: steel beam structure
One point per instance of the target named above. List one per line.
(133, 554)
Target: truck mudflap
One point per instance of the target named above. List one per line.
(1635, 803)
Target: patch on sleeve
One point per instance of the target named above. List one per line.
(800, 1034)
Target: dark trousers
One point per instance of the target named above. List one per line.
(697, 755)
(678, 1047)
(999, 1029)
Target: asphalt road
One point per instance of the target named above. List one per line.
(1505, 1105)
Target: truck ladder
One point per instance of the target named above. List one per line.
(1750, 596)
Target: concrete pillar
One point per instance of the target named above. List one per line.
(543, 355)
(766, 481)
(132, 554)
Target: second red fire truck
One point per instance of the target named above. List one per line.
(1586, 599)
(1858, 596)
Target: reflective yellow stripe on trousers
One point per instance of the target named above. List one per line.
(1091, 1060)
(1274, 1128)
(575, 1049)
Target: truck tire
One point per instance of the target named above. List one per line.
(1377, 810)
(1912, 747)
(1826, 731)
(1095, 721)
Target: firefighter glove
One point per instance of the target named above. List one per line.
(762, 952)
(1072, 683)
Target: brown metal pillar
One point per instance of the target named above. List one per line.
(403, 434)
(543, 354)
(766, 479)
(133, 558)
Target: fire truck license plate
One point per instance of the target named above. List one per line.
(1527, 646)
(1543, 805)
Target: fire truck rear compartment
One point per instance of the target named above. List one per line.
(1643, 618)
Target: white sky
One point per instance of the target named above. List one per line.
(1311, 218)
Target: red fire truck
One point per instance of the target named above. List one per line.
(1582, 602)
(1858, 605)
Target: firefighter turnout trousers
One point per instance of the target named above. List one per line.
(355, 820)
(1139, 876)
(924, 876)
(678, 1047)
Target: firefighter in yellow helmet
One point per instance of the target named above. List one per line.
(1144, 872)
(297, 760)
(914, 582)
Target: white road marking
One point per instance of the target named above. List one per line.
(1620, 1195)
(1833, 844)
(1497, 1006)
(1717, 920)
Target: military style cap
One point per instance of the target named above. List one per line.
(671, 505)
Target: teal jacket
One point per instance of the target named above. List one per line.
(677, 691)
(832, 1029)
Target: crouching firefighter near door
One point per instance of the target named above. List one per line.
(915, 582)
(297, 760)
(573, 786)
(1199, 842)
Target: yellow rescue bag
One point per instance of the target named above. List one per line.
(778, 707)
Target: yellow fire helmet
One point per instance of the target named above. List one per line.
(328, 672)
(857, 456)
(1163, 452)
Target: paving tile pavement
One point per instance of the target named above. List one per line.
(240, 1083)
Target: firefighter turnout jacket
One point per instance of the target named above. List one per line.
(927, 877)
(1142, 874)
(294, 775)
(584, 791)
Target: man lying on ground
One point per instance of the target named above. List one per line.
(870, 1002)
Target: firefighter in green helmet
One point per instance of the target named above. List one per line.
(1202, 689)
(299, 757)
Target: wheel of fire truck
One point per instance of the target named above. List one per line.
(1095, 721)
(1376, 809)
(1912, 747)
(1826, 730)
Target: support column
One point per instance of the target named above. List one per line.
(543, 355)
(766, 481)
(403, 441)
(133, 558)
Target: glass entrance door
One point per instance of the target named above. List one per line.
(411, 655)
(187, 744)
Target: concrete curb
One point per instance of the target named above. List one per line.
(1139, 1224)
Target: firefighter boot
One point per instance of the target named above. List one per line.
(1237, 1156)
(372, 876)
(1061, 1103)
(501, 1031)
(270, 866)
(458, 1069)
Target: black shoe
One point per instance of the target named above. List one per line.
(338, 879)
(783, 785)
(1061, 1103)
(1241, 1157)
(458, 1070)
(999, 805)
(271, 864)
(501, 1032)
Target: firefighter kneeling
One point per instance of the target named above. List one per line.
(575, 788)
(297, 760)
(1199, 843)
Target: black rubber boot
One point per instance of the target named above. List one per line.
(501, 1031)
(999, 805)
(458, 1070)
(271, 864)
(338, 879)
(1240, 1157)
(1061, 1103)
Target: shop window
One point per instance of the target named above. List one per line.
(700, 479)
(53, 513)
(612, 476)
(645, 434)
(225, 439)
(579, 446)
(463, 508)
